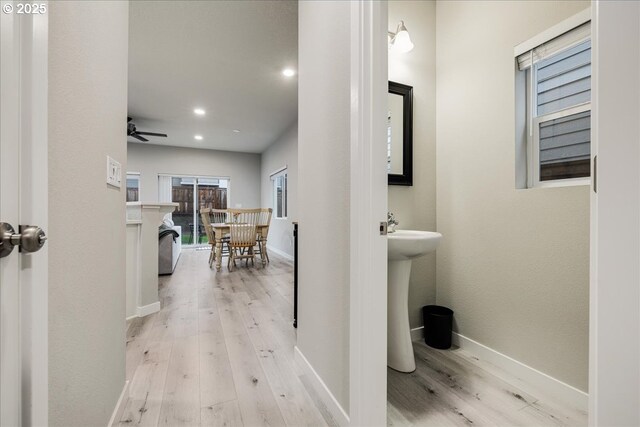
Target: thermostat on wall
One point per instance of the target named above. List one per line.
(114, 172)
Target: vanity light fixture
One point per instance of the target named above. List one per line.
(199, 112)
(288, 72)
(400, 40)
(198, 137)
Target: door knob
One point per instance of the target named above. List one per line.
(30, 238)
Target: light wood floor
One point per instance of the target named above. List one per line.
(454, 388)
(219, 352)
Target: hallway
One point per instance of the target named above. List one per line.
(219, 352)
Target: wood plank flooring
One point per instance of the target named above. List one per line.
(449, 388)
(219, 352)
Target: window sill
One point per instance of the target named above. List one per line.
(575, 182)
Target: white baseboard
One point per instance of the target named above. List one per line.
(119, 405)
(530, 379)
(146, 310)
(281, 253)
(329, 400)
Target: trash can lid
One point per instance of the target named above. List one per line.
(437, 310)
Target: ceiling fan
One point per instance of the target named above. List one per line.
(132, 132)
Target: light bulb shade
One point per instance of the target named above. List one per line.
(400, 41)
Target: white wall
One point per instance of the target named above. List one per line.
(242, 168)
(323, 199)
(87, 121)
(415, 206)
(513, 264)
(284, 152)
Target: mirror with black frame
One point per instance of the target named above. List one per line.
(400, 134)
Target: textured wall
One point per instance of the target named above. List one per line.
(242, 168)
(415, 206)
(87, 122)
(323, 174)
(283, 152)
(513, 264)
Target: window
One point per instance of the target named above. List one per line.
(133, 187)
(192, 193)
(557, 80)
(279, 180)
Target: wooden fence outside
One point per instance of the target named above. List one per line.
(208, 197)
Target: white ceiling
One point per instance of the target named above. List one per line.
(226, 57)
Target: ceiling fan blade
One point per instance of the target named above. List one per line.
(152, 134)
(129, 119)
(136, 136)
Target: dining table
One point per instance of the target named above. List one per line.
(221, 229)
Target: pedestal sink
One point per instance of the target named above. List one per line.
(403, 247)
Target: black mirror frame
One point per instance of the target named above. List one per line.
(406, 178)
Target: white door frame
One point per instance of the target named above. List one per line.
(614, 336)
(26, 36)
(368, 249)
(614, 368)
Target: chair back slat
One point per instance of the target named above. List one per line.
(219, 216)
(242, 234)
(243, 226)
(265, 216)
(265, 220)
(244, 216)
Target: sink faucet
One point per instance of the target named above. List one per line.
(391, 222)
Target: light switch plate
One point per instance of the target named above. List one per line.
(114, 172)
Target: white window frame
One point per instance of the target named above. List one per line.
(282, 172)
(532, 126)
(533, 148)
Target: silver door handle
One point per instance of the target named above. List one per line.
(30, 238)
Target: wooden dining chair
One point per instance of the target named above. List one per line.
(242, 239)
(206, 221)
(264, 220)
(219, 216)
(243, 236)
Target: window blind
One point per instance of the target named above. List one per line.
(555, 45)
(164, 189)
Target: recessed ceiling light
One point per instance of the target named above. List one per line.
(198, 137)
(199, 111)
(236, 130)
(288, 72)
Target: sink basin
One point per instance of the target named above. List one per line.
(402, 247)
(410, 244)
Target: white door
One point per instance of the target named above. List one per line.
(614, 336)
(23, 202)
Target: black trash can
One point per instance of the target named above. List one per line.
(437, 326)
